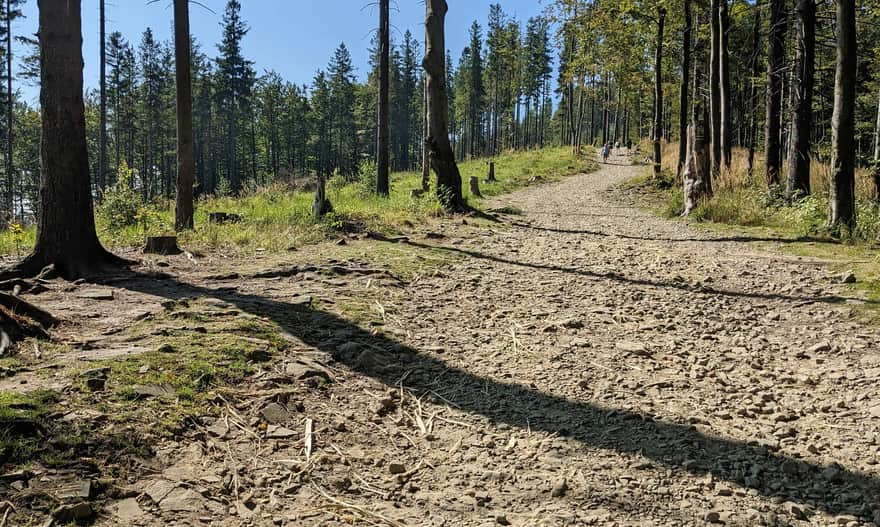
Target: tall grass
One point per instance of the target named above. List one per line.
(277, 217)
(739, 200)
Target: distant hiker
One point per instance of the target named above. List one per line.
(606, 151)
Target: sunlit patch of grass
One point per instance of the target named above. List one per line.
(277, 218)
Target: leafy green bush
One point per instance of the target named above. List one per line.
(121, 206)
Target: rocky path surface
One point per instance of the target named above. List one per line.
(584, 363)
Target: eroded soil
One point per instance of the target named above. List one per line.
(583, 363)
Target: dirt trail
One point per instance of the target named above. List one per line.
(584, 363)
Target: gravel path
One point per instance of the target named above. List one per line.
(584, 363)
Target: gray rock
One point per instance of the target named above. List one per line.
(183, 500)
(848, 277)
(560, 489)
(73, 513)
(275, 414)
(279, 432)
(127, 510)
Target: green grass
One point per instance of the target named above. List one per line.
(277, 218)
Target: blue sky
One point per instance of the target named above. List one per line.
(293, 37)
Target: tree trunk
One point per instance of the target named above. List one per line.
(382, 184)
(876, 167)
(775, 66)
(10, 106)
(697, 175)
(802, 102)
(715, 86)
(66, 234)
(426, 168)
(753, 90)
(685, 86)
(658, 90)
(102, 137)
(842, 200)
(726, 122)
(441, 155)
(184, 211)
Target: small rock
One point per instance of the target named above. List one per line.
(275, 414)
(183, 500)
(571, 323)
(396, 468)
(796, 512)
(560, 489)
(848, 277)
(821, 347)
(712, 517)
(73, 513)
(502, 520)
(128, 509)
(634, 348)
(97, 294)
(279, 432)
(154, 390)
(166, 348)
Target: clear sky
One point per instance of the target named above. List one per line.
(292, 37)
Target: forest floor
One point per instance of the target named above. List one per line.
(575, 361)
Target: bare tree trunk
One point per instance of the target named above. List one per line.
(10, 106)
(715, 86)
(726, 121)
(66, 234)
(775, 66)
(441, 155)
(183, 217)
(102, 140)
(685, 86)
(697, 176)
(753, 90)
(876, 167)
(382, 183)
(802, 101)
(842, 200)
(658, 90)
(426, 168)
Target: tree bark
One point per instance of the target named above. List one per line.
(440, 151)
(753, 90)
(697, 176)
(185, 165)
(802, 102)
(842, 200)
(66, 234)
(10, 106)
(876, 167)
(382, 183)
(685, 86)
(658, 90)
(102, 139)
(726, 121)
(715, 86)
(775, 66)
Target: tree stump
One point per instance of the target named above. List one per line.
(491, 178)
(163, 245)
(322, 205)
(475, 186)
(221, 218)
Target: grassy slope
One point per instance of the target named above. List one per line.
(276, 218)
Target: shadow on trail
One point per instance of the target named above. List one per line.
(667, 445)
(740, 239)
(800, 300)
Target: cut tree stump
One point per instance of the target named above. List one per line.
(221, 218)
(475, 186)
(164, 245)
(491, 178)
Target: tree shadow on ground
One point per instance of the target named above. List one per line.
(678, 447)
(739, 239)
(616, 277)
